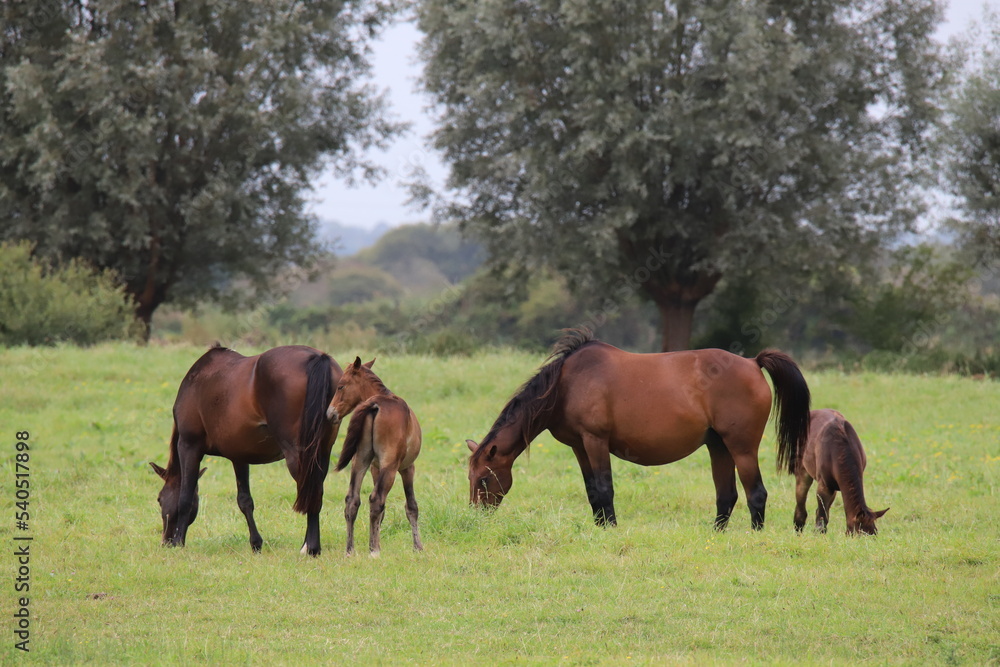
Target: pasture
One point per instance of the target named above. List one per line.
(534, 582)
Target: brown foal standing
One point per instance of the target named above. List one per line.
(383, 434)
(835, 458)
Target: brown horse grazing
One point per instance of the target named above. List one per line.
(383, 434)
(649, 409)
(251, 410)
(835, 458)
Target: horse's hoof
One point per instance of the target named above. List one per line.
(375, 553)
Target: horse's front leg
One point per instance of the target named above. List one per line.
(187, 504)
(594, 458)
(245, 502)
(824, 501)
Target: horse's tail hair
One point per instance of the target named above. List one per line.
(314, 433)
(356, 431)
(791, 403)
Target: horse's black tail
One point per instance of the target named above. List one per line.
(314, 434)
(791, 402)
(356, 431)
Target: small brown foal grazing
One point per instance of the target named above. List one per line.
(835, 458)
(383, 434)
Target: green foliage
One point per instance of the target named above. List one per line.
(902, 306)
(355, 282)
(41, 305)
(443, 245)
(972, 136)
(902, 311)
(678, 144)
(171, 142)
(534, 582)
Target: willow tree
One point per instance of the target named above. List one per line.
(172, 141)
(972, 140)
(663, 147)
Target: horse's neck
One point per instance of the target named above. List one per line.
(375, 388)
(850, 481)
(513, 439)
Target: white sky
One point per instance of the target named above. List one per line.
(396, 70)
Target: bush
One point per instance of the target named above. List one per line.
(44, 305)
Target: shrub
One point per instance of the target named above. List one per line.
(43, 305)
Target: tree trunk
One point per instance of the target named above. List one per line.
(677, 301)
(144, 313)
(677, 318)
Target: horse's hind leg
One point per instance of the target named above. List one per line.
(724, 476)
(753, 486)
(359, 466)
(383, 484)
(411, 506)
(802, 483)
(245, 502)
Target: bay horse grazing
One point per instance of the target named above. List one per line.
(834, 458)
(649, 409)
(251, 410)
(383, 434)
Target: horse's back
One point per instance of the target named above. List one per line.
(396, 430)
(658, 407)
(208, 381)
(833, 443)
(243, 408)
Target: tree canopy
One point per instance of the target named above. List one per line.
(662, 147)
(972, 137)
(172, 141)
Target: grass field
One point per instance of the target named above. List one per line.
(534, 582)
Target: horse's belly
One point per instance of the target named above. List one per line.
(656, 449)
(254, 446)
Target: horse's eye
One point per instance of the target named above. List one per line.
(340, 388)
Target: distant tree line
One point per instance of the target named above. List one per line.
(698, 173)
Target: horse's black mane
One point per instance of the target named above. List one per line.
(536, 397)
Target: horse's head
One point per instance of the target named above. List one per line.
(355, 385)
(864, 522)
(169, 499)
(489, 475)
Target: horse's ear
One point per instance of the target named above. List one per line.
(357, 363)
(473, 445)
(201, 472)
(370, 364)
(159, 471)
(878, 515)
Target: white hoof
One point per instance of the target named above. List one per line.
(304, 550)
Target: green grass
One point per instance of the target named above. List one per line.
(533, 582)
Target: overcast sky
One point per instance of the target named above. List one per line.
(396, 70)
